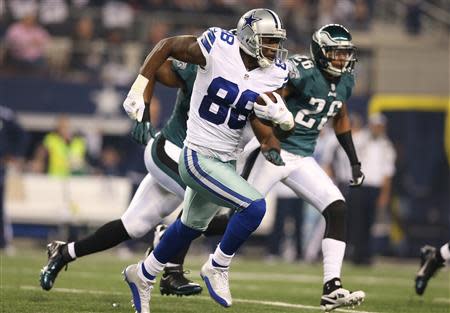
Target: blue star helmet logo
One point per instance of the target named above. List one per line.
(250, 20)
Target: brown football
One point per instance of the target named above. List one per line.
(260, 101)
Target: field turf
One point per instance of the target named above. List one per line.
(94, 284)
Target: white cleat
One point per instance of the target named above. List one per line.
(140, 289)
(216, 280)
(341, 298)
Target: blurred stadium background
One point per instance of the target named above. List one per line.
(77, 72)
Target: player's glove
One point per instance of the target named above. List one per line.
(142, 132)
(273, 157)
(357, 175)
(134, 102)
(275, 111)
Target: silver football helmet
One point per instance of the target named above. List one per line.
(255, 25)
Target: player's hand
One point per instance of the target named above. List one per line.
(273, 156)
(275, 111)
(134, 105)
(357, 176)
(142, 132)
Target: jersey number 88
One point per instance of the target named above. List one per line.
(219, 99)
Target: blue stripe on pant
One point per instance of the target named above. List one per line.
(211, 184)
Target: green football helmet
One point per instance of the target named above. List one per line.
(332, 43)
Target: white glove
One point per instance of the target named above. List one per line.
(134, 103)
(274, 111)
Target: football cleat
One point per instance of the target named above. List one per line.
(429, 265)
(335, 296)
(140, 289)
(216, 280)
(173, 282)
(54, 264)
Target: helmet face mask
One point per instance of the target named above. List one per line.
(332, 50)
(261, 36)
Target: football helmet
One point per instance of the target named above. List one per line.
(330, 43)
(255, 25)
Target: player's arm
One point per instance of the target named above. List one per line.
(342, 128)
(183, 48)
(270, 146)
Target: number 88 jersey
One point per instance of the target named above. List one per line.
(315, 100)
(224, 93)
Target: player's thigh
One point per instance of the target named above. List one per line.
(150, 204)
(161, 159)
(262, 174)
(198, 211)
(310, 182)
(216, 181)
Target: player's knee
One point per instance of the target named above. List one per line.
(252, 216)
(137, 226)
(335, 220)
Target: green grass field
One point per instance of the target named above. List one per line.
(94, 283)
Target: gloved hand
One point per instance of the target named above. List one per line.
(273, 156)
(142, 132)
(134, 103)
(357, 175)
(274, 111)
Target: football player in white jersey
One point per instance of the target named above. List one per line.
(234, 71)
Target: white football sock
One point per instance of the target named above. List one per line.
(71, 250)
(445, 252)
(333, 254)
(152, 266)
(221, 258)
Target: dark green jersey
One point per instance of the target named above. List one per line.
(175, 128)
(314, 101)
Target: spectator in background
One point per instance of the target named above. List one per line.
(61, 154)
(115, 69)
(361, 15)
(377, 155)
(86, 54)
(26, 42)
(110, 162)
(12, 148)
(117, 14)
(54, 14)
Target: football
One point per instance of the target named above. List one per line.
(260, 101)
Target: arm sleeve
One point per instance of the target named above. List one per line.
(346, 141)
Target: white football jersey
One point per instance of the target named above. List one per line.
(224, 93)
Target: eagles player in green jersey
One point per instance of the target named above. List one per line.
(317, 90)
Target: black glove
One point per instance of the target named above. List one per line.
(142, 132)
(357, 175)
(273, 156)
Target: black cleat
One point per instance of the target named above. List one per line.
(429, 265)
(173, 282)
(54, 265)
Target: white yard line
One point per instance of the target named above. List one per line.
(442, 300)
(258, 302)
(264, 276)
